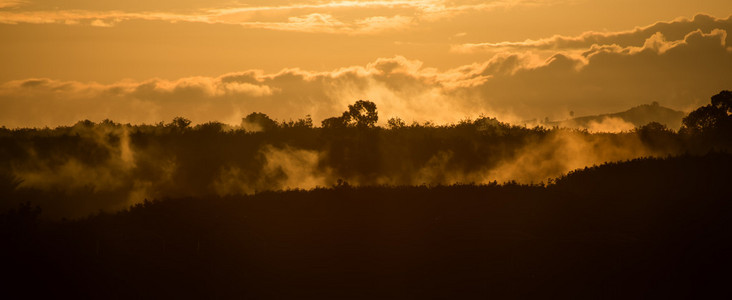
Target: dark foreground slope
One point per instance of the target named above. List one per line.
(645, 228)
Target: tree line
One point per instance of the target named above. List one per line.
(76, 170)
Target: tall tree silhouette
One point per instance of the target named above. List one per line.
(714, 117)
(334, 122)
(362, 114)
(723, 100)
(180, 123)
(260, 121)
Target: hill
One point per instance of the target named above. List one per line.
(629, 119)
(646, 228)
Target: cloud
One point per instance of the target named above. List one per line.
(515, 87)
(674, 30)
(100, 23)
(11, 3)
(380, 23)
(341, 17)
(681, 74)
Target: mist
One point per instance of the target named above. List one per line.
(81, 169)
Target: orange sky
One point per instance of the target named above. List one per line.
(148, 61)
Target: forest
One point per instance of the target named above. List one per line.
(349, 209)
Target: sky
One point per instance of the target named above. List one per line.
(425, 60)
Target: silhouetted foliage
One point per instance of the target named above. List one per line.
(711, 118)
(180, 122)
(304, 123)
(258, 122)
(658, 136)
(361, 114)
(334, 122)
(723, 100)
(705, 119)
(395, 122)
(210, 128)
(72, 171)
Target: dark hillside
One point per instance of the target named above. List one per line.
(647, 228)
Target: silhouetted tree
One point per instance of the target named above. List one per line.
(712, 117)
(703, 119)
(210, 128)
(84, 123)
(261, 121)
(306, 122)
(653, 127)
(180, 122)
(658, 136)
(362, 114)
(723, 100)
(108, 122)
(334, 122)
(395, 122)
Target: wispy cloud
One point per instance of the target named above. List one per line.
(328, 17)
(11, 3)
(636, 37)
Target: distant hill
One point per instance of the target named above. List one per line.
(636, 116)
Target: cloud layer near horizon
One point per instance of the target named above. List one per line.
(673, 30)
(676, 68)
(341, 17)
